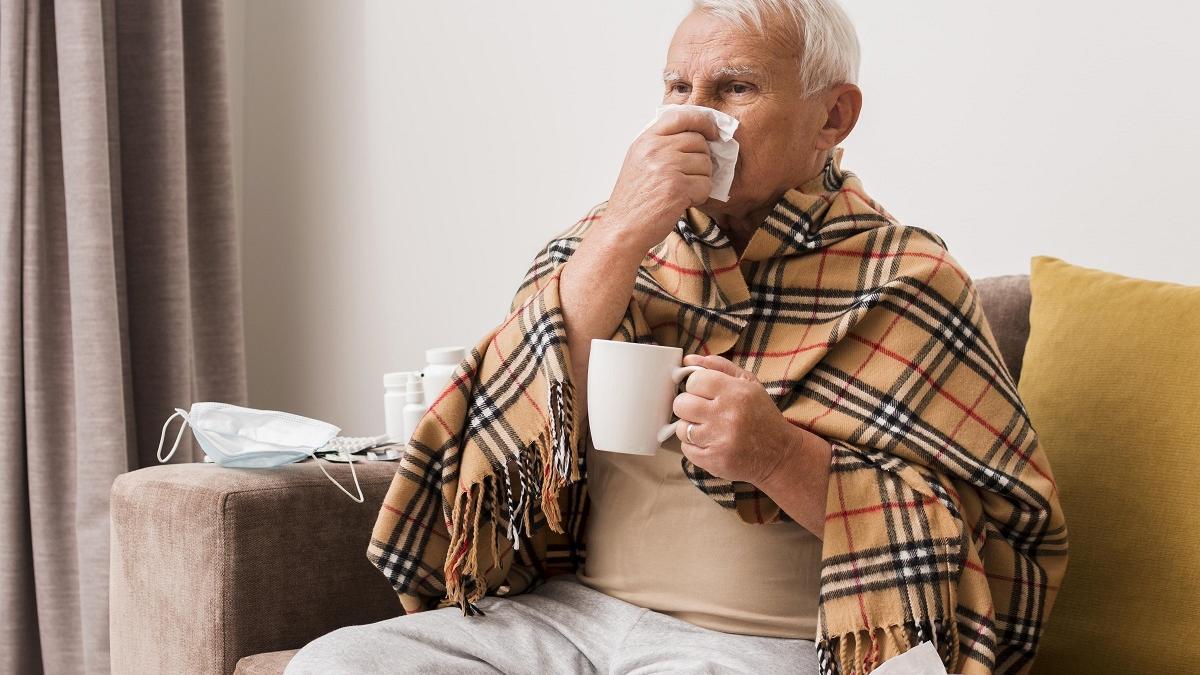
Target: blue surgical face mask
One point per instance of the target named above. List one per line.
(240, 437)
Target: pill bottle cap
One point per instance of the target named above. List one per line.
(415, 393)
(397, 379)
(446, 355)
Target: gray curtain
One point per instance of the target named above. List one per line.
(119, 288)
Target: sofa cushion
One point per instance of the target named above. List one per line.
(1111, 381)
(268, 663)
(216, 563)
(1005, 301)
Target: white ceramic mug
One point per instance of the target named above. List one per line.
(630, 390)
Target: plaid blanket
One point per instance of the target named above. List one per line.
(943, 521)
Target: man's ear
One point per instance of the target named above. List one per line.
(843, 103)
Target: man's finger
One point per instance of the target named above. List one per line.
(676, 121)
(688, 141)
(695, 164)
(718, 363)
(691, 407)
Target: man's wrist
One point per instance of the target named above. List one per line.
(619, 246)
(799, 482)
(623, 234)
(791, 461)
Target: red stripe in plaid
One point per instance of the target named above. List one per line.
(879, 507)
(878, 347)
(414, 521)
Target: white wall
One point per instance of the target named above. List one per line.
(1022, 128)
(403, 161)
(314, 291)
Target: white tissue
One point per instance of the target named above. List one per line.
(724, 152)
(920, 660)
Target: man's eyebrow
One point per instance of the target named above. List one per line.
(670, 76)
(734, 71)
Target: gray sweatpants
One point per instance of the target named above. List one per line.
(561, 626)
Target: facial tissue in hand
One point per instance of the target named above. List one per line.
(724, 152)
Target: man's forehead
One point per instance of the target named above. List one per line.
(707, 45)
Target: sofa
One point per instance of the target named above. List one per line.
(217, 570)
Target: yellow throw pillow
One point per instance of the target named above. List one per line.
(1111, 380)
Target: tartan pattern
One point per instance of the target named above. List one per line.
(943, 521)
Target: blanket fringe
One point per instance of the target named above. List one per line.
(952, 627)
(560, 451)
(515, 513)
(552, 456)
(859, 652)
(461, 561)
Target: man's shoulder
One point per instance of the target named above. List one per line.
(918, 238)
(926, 258)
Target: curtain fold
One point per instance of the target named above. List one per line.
(119, 288)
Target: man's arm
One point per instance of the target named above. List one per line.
(666, 170)
(800, 481)
(595, 286)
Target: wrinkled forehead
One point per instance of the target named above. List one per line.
(708, 46)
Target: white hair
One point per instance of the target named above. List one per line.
(829, 45)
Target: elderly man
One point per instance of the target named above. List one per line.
(853, 473)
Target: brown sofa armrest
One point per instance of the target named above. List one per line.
(210, 564)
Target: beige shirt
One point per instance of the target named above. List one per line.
(654, 540)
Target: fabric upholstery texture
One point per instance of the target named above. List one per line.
(1006, 303)
(1112, 384)
(267, 663)
(211, 564)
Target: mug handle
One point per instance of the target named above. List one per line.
(678, 375)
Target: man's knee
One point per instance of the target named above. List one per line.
(413, 643)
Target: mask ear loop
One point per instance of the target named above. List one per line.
(350, 461)
(163, 435)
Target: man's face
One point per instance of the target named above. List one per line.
(756, 79)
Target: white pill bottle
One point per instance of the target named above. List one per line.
(395, 396)
(414, 408)
(440, 364)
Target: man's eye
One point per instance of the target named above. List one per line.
(738, 88)
(679, 88)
